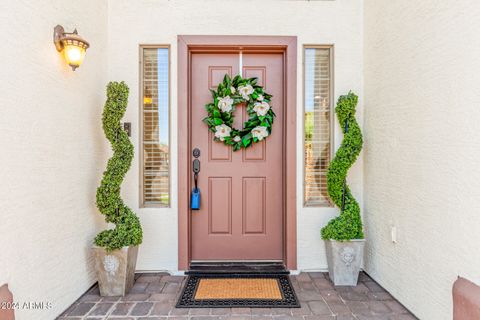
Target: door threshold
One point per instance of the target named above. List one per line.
(237, 267)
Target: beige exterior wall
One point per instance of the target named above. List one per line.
(422, 153)
(132, 23)
(52, 152)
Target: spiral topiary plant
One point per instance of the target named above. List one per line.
(348, 225)
(127, 231)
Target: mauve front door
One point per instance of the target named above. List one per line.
(241, 214)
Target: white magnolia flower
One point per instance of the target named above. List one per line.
(260, 98)
(237, 139)
(232, 90)
(222, 131)
(225, 104)
(259, 132)
(261, 108)
(246, 91)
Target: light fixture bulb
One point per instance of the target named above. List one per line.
(74, 55)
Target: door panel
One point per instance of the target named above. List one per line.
(241, 215)
(220, 211)
(254, 206)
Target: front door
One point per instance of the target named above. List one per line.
(242, 208)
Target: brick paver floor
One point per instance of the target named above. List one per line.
(154, 296)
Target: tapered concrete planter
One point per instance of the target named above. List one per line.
(115, 270)
(344, 260)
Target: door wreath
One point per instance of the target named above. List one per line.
(230, 93)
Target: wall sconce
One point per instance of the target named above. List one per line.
(73, 46)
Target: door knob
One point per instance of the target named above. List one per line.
(196, 166)
(195, 197)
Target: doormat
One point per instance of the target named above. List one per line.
(231, 291)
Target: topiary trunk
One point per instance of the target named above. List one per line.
(348, 225)
(127, 231)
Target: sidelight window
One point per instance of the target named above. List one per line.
(155, 127)
(317, 123)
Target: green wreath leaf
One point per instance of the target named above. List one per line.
(246, 142)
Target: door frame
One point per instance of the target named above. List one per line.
(186, 44)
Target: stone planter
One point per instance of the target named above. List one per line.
(344, 261)
(115, 270)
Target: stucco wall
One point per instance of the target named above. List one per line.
(422, 149)
(159, 22)
(52, 152)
